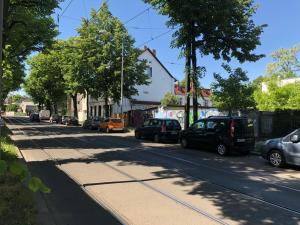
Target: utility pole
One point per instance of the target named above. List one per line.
(122, 77)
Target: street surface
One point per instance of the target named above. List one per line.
(141, 182)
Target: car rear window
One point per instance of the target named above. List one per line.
(243, 127)
(172, 123)
(116, 120)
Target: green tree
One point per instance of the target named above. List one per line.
(233, 93)
(28, 27)
(285, 63)
(224, 29)
(12, 108)
(169, 99)
(101, 40)
(45, 83)
(73, 67)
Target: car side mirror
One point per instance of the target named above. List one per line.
(295, 138)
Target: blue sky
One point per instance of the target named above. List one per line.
(282, 17)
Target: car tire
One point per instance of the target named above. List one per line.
(184, 143)
(276, 158)
(222, 149)
(107, 130)
(137, 135)
(156, 138)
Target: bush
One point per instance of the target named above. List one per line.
(12, 108)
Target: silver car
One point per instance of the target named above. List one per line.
(281, 151)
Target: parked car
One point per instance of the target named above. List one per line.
(222, 134)
(112, 124)
(92, 123)
(284, 150)
(71, 120)
(64, 119)
(159, 130)
(55, 118)
(34, 117)
(44, 114)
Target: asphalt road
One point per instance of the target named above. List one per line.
(140, 182)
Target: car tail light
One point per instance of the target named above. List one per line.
(164, 127)
(232, 129)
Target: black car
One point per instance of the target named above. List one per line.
(55, 118)
(284, 150)
(159, 130)
(34, 117)
(222, 134)
(72, 121)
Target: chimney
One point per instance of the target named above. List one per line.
(154, 52)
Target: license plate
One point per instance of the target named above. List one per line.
(174, 132)
(241, 140)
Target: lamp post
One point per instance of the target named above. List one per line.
(122, 77)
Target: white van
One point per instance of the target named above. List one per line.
(44, 114)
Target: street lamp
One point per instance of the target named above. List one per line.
(122, 77)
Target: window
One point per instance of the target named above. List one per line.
(149, 72)
(146, 123)
(99, 110)
(95, 111)
(211, 125)
(91, 111)
(172, 123)
(199, 125)
(180, 101)
(155, 123)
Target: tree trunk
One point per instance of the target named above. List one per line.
(55, 108)
(106, 107)
(187, 85)
(194, 81)
(74, 100)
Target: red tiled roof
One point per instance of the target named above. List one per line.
(203, 92)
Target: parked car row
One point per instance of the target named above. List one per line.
(223, 135)
(104, 124)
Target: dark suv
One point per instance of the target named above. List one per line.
(223, 134)
(159, 130)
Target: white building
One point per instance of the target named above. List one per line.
(161, 82)
(264, 85)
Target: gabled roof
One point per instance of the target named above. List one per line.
(202, 91)
(154, 56)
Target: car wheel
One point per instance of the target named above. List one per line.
(184, 143)
(107, 130)
(276, 158)
(156, 138)
(137, 135)
(222, 149)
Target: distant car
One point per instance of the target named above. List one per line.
(64, 119)
(44, 114)
(159, 130)
(284, 150)
(222, 134)
(112, 124)
(55, 118)
(34, 117)
(71, 120)
(92, 123)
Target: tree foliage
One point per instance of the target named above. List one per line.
(45, 83)
(101, 40)
(233, 93)
(277, 95)
(28, 26)
(170, 99)
(221, 28)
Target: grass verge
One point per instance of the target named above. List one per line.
(16, 202)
